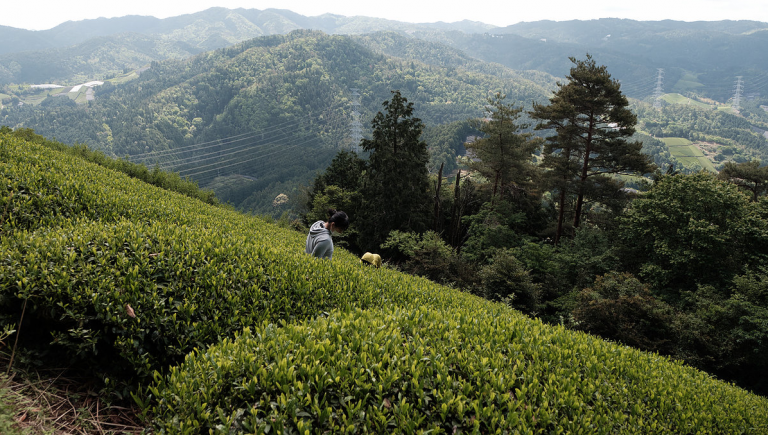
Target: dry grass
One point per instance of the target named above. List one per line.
(51, 403)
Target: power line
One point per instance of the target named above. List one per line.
(213, 143)
(637, 87)
(253, 158)
(219, 153)
(150, 154)
(356, 127)
(233, 159)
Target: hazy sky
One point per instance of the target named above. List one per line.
(45, 14)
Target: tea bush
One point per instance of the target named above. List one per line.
(186, 287)
(477, 369)
(189, 273)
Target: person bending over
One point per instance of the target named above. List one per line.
(319, 242)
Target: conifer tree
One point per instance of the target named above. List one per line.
(504, 156)
(592, 124)
(747, 175)
(396, 190)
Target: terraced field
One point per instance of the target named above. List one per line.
(688, 153)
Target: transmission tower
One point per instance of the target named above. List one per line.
(355, 126)
(737, 94)
(659, 89)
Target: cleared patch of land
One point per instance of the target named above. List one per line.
(688, 82)
(124, 78)
(688, 154)
(681, 99)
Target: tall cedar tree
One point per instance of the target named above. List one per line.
(396, 189)
(592, 123)
(504, 156)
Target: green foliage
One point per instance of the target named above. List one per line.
(421, 369)
(504, 154)
(395, 189)
(506, 279)
(748, 176)
(727, 333)
(166, 180)
(690, 230)
(619, 307)
(427, 255)
(445, 143)
(337, 187)
(493, 227)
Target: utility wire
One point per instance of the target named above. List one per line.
(258, 156)
(219, 153)
(217, 142)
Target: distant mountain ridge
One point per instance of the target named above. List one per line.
(233, 25)
(585, 31)
(705, 57)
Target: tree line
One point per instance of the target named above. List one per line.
(547, 224)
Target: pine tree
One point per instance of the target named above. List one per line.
(592, 124)
(504, 156)
(747, 175)
(396, 189)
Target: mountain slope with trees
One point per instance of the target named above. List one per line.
(716, 52)
(134, 41)
(271, 109)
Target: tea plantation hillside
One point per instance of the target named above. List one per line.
(217, 322)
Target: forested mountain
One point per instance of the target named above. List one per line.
(100, 57)
(194, 105)
(718, 51)
(268, 110)
(714, 52)
(703, 57)
(105, 45)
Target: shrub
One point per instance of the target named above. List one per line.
(482, 368)
(619, 307)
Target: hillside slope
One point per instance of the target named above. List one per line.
(112, 269)
(273, 109)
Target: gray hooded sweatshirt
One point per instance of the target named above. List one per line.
(319, 242)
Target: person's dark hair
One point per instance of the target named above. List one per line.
(339, 218)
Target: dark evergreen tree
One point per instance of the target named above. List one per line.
(396, 189)
(592, 124)
(749, 176)
(345, 172)
(504, 155)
